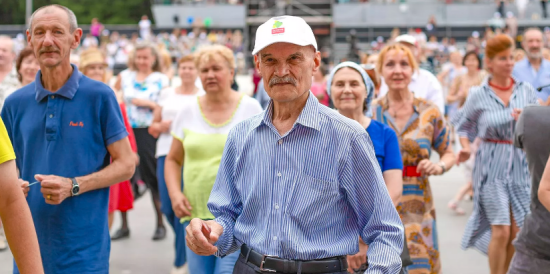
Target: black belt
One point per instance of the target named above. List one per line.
(268, 263)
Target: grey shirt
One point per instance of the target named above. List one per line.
(533, 135)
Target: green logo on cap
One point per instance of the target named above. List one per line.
(277, 24)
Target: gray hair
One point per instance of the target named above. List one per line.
(154, 52)
(73, 24)
(8, 40)
(532, 29)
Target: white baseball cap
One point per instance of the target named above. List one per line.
(406, 38)
(284, 29)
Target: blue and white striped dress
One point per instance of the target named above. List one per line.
(501, 177)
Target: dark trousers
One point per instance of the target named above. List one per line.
(242, 267)
(544, 12)
(146, 145)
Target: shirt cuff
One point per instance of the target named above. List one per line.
(226, 243)
(117, 137)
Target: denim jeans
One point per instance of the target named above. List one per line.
(166, 208)
(210, 264)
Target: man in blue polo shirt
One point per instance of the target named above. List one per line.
(534, 69)
(65, 129)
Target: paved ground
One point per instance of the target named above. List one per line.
(140, 255)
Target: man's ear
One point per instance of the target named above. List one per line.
(77, 34)
(257, 63)
(316, 61)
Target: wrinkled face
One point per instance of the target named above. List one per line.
(29, 68)
(187, 72)
(532, 44)
(471, 63)
(95, 71)
(348, 90)
(51, 38)
(144, 59)
(397, 70)
(502, 64)
(215, 74)
(287, 70)
(7, 55)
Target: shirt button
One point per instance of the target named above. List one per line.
(276, 206)
(279, 174)
(274, 238)
(51, 115)
(53, 97)
(281, 142)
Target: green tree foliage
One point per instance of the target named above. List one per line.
(12, 12)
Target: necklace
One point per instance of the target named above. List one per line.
(502, 88)
(399, 107)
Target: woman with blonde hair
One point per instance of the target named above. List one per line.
(420, 128)
(200, 130)
(500, 175)
(93, 65)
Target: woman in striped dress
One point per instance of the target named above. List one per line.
(420, 127)
(500, 175)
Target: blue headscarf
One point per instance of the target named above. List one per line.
(366, 79)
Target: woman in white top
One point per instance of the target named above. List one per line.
(200, 130)
(141, 88)
(170, 103)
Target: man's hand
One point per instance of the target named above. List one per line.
(356, 261)
(181, 205)
(202, 235)
(55, 189)
(25, 187)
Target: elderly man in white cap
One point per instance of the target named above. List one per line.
(423, 83)
(299, 183)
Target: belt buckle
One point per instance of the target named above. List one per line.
(263, 262)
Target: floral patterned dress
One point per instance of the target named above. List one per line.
(426, 130)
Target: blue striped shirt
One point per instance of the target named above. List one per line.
(308, 194)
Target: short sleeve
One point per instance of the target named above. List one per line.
(441, 136)
(178, 124)
(165, 81)
(6, 150)
(392, 159)
(112, 124)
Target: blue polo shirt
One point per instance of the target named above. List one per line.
(66, 133)
(523, 71)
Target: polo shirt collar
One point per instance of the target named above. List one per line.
(68, 90)
(309, 117)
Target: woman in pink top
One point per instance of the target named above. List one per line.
(319, 85)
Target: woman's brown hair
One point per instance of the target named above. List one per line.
(22, 55)
(498, 44)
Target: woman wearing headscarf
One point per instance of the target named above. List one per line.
(351, 91)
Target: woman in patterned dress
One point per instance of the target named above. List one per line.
(420, 126)
(500, 175)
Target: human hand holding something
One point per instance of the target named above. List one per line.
(55, 189)
(202, 235)
(25, 187)
(180, 205)
(427, 167)
(356, 261)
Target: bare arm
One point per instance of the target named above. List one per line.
(172, 175)
(453, 91)
(155, 129)
(544, 187)
(118, 83)
(56, 189)
(394, 183)
(17, 221)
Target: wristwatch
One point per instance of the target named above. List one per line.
(442, 166)
(76, 188)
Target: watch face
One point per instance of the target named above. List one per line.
(76, 189)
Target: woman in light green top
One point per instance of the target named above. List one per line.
(200, 131)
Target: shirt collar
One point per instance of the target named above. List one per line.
(68, 90)
(309, 117)
(415, 75)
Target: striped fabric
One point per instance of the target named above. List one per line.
(500, 176)
(308, 194)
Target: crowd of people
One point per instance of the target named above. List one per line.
(323, 170)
